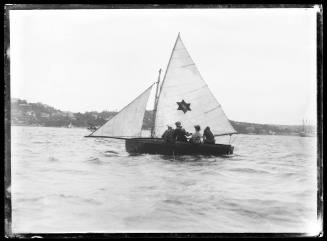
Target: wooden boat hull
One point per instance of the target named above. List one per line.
(158, 146)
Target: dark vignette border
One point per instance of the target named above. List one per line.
(150, 6)
(320, 193)
(7, 134)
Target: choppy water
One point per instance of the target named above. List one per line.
(63, 182)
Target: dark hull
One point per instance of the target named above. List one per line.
(306, 135)
(158, 146)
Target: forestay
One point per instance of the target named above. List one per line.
(128, 122)
(183, 83)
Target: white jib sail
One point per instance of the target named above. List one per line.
(183, 83)
(128, 122)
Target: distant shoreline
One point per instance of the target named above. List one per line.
(39, 114)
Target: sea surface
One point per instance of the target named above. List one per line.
(63, 182)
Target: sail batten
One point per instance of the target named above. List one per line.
(128, 122)
(183, 85)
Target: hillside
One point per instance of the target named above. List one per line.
(38, 114)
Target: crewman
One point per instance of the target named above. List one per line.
(179, 133)
(208, 137)
(196, 136)
(168, 135)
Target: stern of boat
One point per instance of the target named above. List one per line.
(231, 150)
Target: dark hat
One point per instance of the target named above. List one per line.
(197, 127)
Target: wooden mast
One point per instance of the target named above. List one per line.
(157, 97)
(155, 105)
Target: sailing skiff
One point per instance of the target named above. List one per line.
(182, 96)
(306, 131)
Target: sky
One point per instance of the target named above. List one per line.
(260, 64)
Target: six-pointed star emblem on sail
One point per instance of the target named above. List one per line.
(183, 106)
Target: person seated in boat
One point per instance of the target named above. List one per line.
(196, 136)
(179, 133)
(208, 137)
(168, 135)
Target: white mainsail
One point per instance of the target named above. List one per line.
(128, 122)
(183, 83)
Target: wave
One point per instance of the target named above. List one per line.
(294, 156)
(110, 153)
(73, 171)
(104, 141)
(31, 199)
(290, 174)
(250, 213)
(94, 160)
(53, 159)
(41, 142)
(173, 201)
(188, 158)
(249, 170)
(78, 198)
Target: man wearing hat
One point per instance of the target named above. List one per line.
(179, 133)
